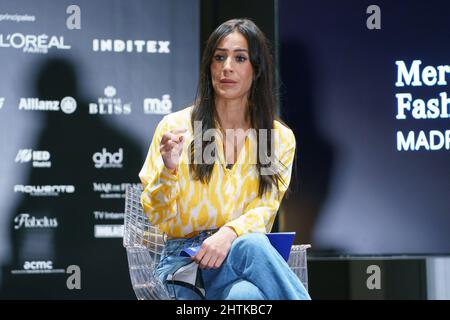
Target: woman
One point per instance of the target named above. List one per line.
(204, 189)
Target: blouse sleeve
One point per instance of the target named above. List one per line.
(260, 213)
(160, 184)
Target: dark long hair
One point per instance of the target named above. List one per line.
(261, 101)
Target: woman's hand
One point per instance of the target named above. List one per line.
(171, 147)
(214, 249)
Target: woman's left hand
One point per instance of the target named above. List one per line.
(214, 249)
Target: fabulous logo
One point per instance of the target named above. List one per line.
(27, 221)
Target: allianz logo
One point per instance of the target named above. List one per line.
(67, 105)
(105, 159)
(40, 158)
(25, 220)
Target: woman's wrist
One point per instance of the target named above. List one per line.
(230, 231)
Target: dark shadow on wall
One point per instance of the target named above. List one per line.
(72, 139)
(315, 156)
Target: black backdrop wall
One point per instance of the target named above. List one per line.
(81, 91)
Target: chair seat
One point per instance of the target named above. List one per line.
(144, 244)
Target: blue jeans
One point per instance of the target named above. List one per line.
(253, 270)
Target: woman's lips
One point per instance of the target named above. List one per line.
(227, 82)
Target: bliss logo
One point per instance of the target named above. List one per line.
(109, 104)
(40, 158)
(107, 159)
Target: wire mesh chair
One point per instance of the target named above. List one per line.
(144, 244)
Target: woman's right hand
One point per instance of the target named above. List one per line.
(171, 147)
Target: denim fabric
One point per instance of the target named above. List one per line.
(253, 270)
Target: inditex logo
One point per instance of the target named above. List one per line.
(26, 221)
(158, 106)
(67, 105)
(105, 159)
(44, 190)
(40, 158)
(29, 43)
(128, 46)
(110, 104)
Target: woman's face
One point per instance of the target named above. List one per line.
(231, 70)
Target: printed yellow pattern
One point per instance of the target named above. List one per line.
(182, 206)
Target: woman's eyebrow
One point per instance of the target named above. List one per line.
(235, 50)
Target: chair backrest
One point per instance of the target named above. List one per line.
(144, 244)
(138, 232)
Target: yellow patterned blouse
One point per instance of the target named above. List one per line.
(182, 206)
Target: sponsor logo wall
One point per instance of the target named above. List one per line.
(81, 96)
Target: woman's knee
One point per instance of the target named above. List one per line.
(242, 290)
(251, 241)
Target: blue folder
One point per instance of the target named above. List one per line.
(281, 241)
